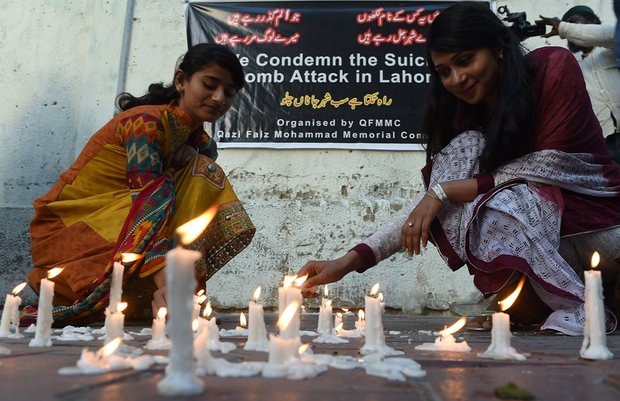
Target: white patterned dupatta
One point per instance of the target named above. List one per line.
(513, 227)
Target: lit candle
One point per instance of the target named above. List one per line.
(325, 327)
(43, 333)
(293, 295)
(158, 340)
(594, 344)
(446, 341)
(257, 331)
(180, 378)
(281, 349)
(213, 338)
(287, 282)
(375, 338)
(116, 323)
(500, 347)
(374, 324)
(326, 331)
(243, 322)
(360, 323)
(159, 325)
(10, 312)
(116, 288)
(338, 320)
(198, 300)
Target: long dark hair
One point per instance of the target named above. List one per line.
(508, 129)
(196, 58)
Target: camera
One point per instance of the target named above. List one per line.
(520, 26)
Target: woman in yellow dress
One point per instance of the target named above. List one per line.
(150, 169)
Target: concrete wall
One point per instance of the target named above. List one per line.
(63, 63)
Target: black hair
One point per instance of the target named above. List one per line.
(196, 58)
(508, 129)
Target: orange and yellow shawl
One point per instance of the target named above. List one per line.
(119, 197)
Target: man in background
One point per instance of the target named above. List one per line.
(593, 44)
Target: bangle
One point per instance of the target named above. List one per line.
(441, 194)
(431, 194)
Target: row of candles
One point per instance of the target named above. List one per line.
(180, 378)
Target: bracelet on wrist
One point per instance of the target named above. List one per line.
(441, 194)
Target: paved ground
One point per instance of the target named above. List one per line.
(553, 371)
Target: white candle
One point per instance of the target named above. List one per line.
(180, 378)
(287, 282)
(7, 315)
(360, 323)
(375, 337)
(500, 347)
(43, 332)
(257, 331)
(158, 329)
(116, 288)
(594, 345)
(446, 341)
(213, 338)
(325, 327)
(293, 295)
(115, 323)
(373, 324)
(338, 321)
(282, 350)
(17, 301)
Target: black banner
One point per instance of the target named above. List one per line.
(321, 74)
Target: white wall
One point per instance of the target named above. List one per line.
(61, 61)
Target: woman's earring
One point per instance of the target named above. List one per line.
(500, 54)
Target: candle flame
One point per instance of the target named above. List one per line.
(288, 281)
(361, 314)
(325, 291)
(189, 231)
(130, 257)
(345, 310)
(195, 324)
(162, 312)
(54, 272)
(510, 299)
(300, 280)
(596, 259)
(208, 310)
(242, 320)
(380, 296)
(18, 288)
(455, 327)
(256, 294)
(121, 306)
(303, 348)
(287, 316)
(109, 348)
(374, 289)
(201, 292)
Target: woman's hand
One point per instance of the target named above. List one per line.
(554, 23)
(159, 295)
(327, 271)
(417, 226)
(181, 157)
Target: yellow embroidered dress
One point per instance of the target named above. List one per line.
(118, 196)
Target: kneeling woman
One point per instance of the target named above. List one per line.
(150, 169)
(519, 181)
